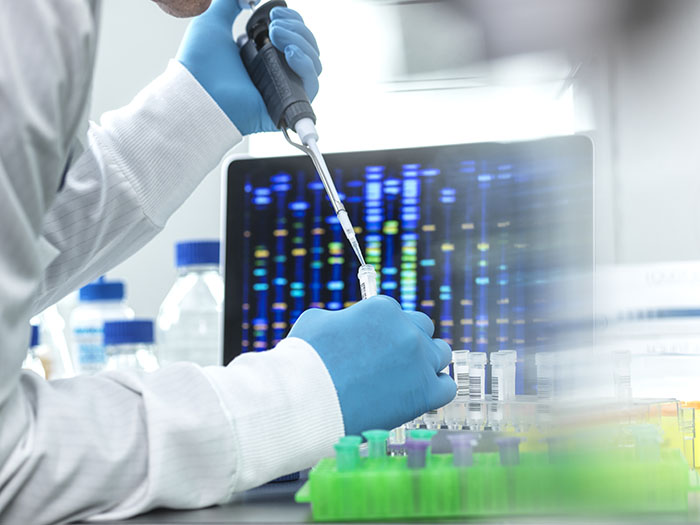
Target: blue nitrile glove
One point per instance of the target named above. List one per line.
(209, 52)
(382, 360)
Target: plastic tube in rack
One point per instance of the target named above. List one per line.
(377, 442)
(460, 367)
(503, 375)
(509, 450)
(462, 448)
(347, 453)
(477, 376)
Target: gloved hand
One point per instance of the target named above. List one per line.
(209, 52)
(382, 360)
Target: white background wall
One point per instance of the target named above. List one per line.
(137, 40)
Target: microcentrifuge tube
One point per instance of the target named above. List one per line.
(433, 419)
(462, 446)
(456, 414)
(368, 281)
(417, 446)
(622, 376)
(503, 375)
(377, 442)
(460, 367)
(477, 375)
(544, 363)
(416, 451)
(509, 450)
(347, 453)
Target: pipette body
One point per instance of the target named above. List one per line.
(287, 103)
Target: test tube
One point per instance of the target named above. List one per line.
(544, 363)
(455, 414)
(503, 375)
(477, 375)
(416, 451)
(377, 442)
(622, 376)
(433, 419)
(462, 448)
(509, 450)
(460, 367)
(417, 446)
(347, 453)
(368, 280)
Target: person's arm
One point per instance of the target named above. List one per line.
(141, 163)
(117, 444)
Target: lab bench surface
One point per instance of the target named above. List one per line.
(272, 503)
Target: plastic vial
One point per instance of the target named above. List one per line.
(455, 414)
(544, 362)
(455, 411)
(503, 375)
(347, 453)
(368, 281)
(189, 321)
(509, 450)
(433, 419)
(32, 362)
(99, 301)
(54, 353)
(377, 442)
(129, 345)
(477, 376)
(416, 450)
(622, 376)
(462, 448)
(460, 366)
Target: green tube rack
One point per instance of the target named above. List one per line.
(610, 483)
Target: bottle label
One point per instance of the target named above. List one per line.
(89, 348)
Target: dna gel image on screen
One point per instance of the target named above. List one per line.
(484, 238)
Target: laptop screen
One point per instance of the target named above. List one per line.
(486, 239)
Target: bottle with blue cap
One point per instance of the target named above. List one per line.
(98, 302)
(33, 361)
(189, 321)
(129, 345)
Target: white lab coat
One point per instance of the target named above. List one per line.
(117, 444)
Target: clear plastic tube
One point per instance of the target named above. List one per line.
(477, 376)
(368, 281)
(503, 375)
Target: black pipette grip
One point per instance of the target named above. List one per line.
(280, 87)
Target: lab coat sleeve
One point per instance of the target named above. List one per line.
(117, 444)
(141, 163)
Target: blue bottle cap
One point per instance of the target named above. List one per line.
(102, 290)
(34, 341)
(132, 331)
(191, 253)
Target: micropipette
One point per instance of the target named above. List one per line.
(287, 103)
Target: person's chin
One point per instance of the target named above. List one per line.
(183, 8)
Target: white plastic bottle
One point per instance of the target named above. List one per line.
(54, 353)
(129, 345)
(32, 361)
(99, 301)
(189, 321)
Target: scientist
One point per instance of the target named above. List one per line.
(76, 201)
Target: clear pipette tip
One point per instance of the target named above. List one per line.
(356, 248)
